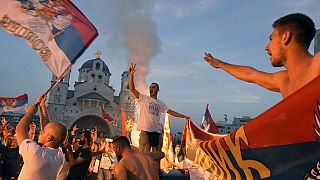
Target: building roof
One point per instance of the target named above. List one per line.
(89, 65)
(93, 95)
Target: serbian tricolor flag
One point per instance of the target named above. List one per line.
(55, 29)
(281, 143)
(107, 117)
(208, 123)
(13, 104)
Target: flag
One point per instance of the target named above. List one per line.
(107, 117)
(208, 124)
(167, 148)
(281, 143)
(55, 29)
(123, 122)
(13, 104)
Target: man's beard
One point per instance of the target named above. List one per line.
(281, 59)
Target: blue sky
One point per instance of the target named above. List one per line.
(234, 31)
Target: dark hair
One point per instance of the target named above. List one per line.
(156, 84)
(87, 135)
(122, 141)
(300, 25)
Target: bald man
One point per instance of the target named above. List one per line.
(45, 159)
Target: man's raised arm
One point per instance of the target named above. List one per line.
(132, 70)
(44, 115)
(22, 127)
(246, 73)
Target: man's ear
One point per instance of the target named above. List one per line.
(50, 138)
(287, 37)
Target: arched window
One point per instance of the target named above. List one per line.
(98, 66)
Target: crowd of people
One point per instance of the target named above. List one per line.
(83, 154)
(53, 153)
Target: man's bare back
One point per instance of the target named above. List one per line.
(136, 165)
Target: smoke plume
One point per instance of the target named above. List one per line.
(134, 27)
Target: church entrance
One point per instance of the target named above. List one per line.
(89, 121)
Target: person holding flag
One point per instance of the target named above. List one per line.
(42, 160)
(150, 110)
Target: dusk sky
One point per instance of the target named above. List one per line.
(178, 32)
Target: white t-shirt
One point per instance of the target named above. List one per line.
(150, 112)
(40, 163)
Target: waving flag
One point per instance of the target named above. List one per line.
(13, 104)
(281, 143)
(107, 117)
(56, 29)
(208, 123)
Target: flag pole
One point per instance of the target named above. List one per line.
(57, 80)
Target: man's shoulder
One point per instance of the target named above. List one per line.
(280, 74)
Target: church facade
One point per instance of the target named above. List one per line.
(92, 90)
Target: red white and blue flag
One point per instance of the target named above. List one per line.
(208, 124)
(13, 104)
(56, 29)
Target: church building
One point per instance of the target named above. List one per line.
(81, 106)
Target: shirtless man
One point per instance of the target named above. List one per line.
(288, 47)
(134, 165)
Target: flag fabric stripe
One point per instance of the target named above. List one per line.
(281, 143)
(81, 23)
(69, 47)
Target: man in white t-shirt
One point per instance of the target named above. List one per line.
(150, 110)
(45, 159)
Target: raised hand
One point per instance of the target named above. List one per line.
(40, 98)
(33, 126)
(75, 127)
(43, 101)
(132, 69)
(4, 121)
(214, 62)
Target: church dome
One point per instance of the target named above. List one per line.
(89, 65)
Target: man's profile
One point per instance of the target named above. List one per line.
(288, 47)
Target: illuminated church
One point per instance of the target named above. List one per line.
(92, 90)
